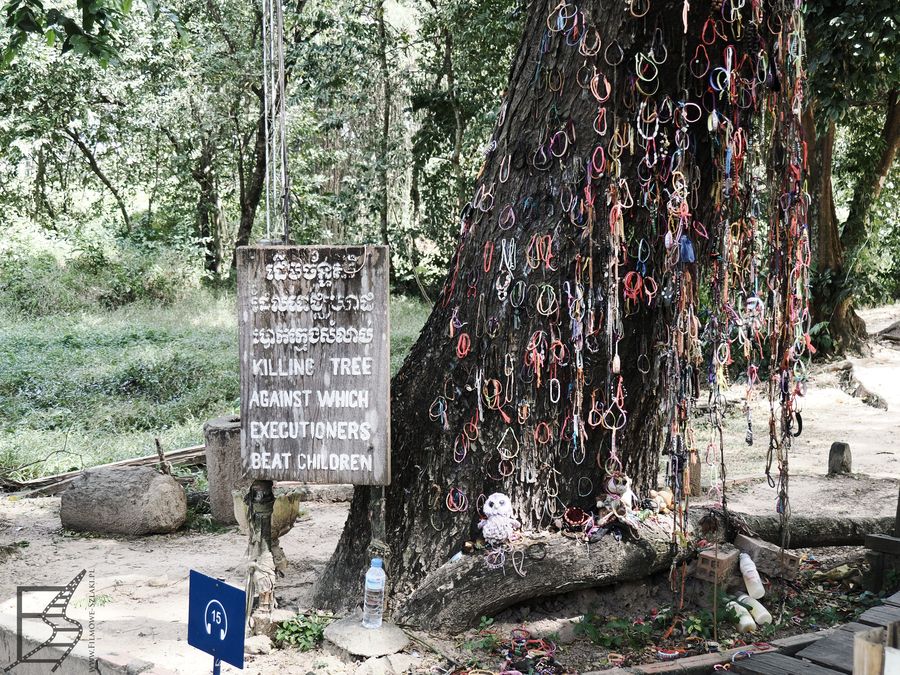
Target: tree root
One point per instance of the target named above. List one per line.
(455, 595)
(805, 531)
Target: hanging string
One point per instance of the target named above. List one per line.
(277, 187)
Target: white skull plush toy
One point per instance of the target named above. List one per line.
(500, 524)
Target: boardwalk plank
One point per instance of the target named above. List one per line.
(779, 664)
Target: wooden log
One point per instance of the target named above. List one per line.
(223, 465)
(455, 595)
(51, 485)
(694, 474)
(805, 530)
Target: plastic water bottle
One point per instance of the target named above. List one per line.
(373, 601)
(746, 624)
(759, 613)
(755, 588)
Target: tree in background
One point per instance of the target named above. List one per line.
(453, 96)
(854, 51)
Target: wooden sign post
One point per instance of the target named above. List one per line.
(315, 363)
(314, 340)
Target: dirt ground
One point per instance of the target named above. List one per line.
(143, 582)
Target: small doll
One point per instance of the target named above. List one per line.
(500, 524)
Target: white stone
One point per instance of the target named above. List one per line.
(350, 636)
(258, 644)
(395, 664)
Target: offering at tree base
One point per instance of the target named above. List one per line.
(315, 363)
(499, 524)
(755, 588)
(745, 622)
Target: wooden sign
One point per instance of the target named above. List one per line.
(315, 363)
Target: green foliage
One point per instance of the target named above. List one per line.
(853, 50)
(614, 633)
(479, 37)
(304, 632)
(87, 385)
(43, 283)
(485, 639)
(92, 34)
(84, 388)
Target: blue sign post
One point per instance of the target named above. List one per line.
(216, 619)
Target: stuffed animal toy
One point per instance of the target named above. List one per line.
(663, 499)
(500, 523)
(619, 487)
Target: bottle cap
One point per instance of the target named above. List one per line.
(376, 562)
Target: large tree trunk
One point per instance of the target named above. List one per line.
(251, 185)
(477, 337)
(834, 300)
(871, 180)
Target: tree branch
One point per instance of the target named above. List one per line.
(95, 167)
(869, 185)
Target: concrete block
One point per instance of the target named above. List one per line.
(770, 559)
(715, 566)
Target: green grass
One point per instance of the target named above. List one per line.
(98, 385)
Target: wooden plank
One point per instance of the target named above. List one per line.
(883, 615)
(171, 456)
(854, 627)
(51, 485)
(314, 341)
(833, 651)
(779, 664)
(868, 652)
(893, 600)
(897, 517)
(883, 543)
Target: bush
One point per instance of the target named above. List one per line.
(34, 284)
(39, 284)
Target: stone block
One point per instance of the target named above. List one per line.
(840, 460)
(350, 636)
(129, 500)
(716, 566)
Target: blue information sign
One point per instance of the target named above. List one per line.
(216, 618)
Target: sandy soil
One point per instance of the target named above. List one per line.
(144, 581)
(829, 414)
